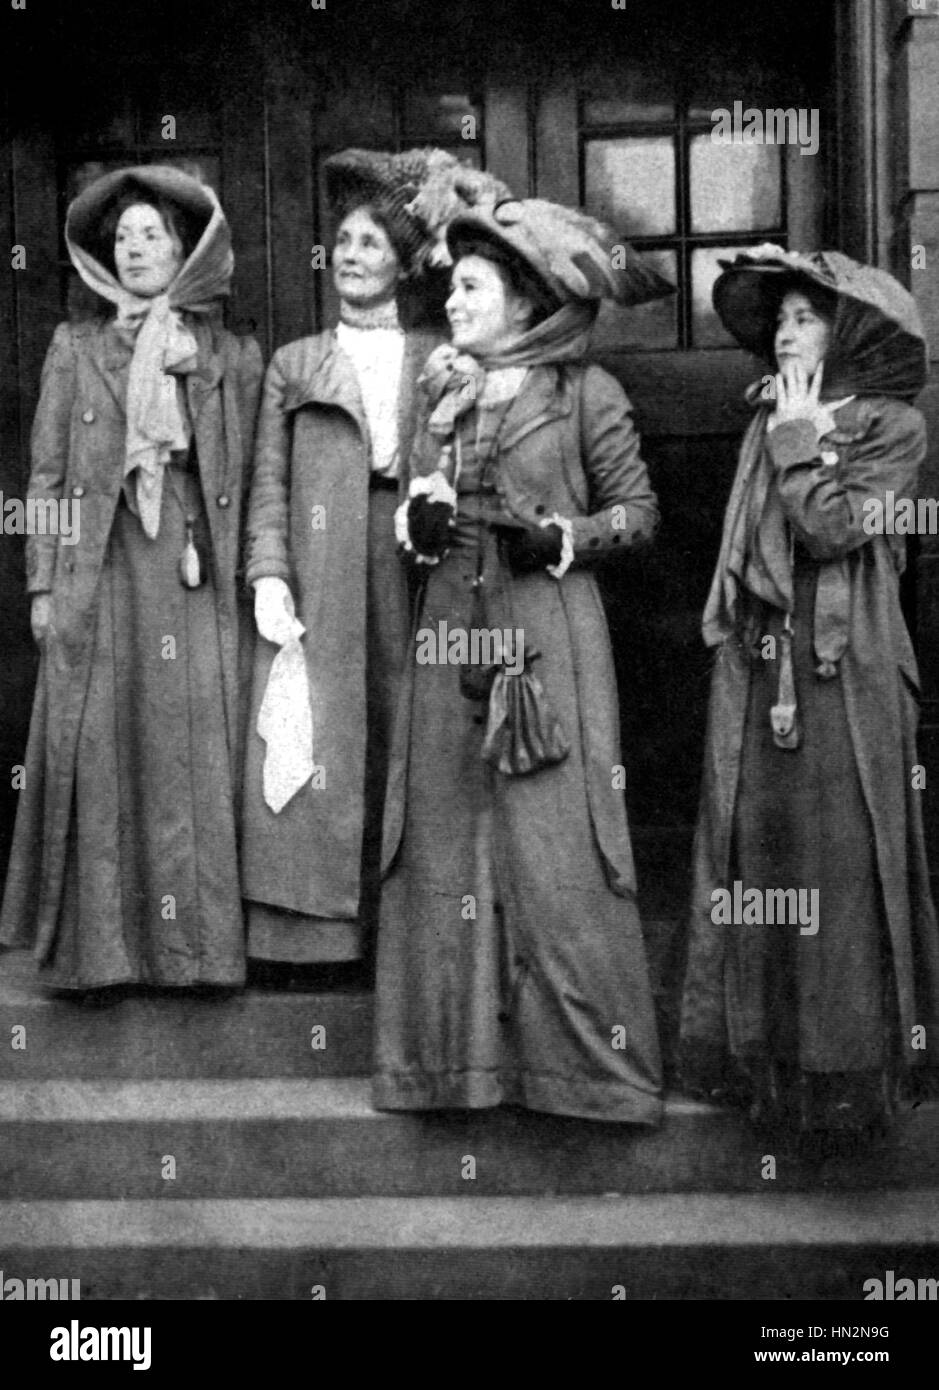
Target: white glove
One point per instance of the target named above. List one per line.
(274, 612)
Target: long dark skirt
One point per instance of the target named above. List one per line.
(508, 969)
(274, 933)
(809, 1015)
(151, 876)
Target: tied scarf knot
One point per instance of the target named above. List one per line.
(163, 347)
(156, 428)
(453, 380)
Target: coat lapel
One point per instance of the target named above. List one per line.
(330, 381)
(110, 356)
(545, 395)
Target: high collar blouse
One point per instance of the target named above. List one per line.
(377, 354)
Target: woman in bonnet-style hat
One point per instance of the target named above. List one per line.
(511, 966)
(331, 603)
(809, 773)
(124, 863)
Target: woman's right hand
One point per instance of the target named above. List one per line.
(40, 617)
(273, 610)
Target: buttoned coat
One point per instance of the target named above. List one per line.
(567, 446)
(78, 443)
(307, 525)
(510, 941)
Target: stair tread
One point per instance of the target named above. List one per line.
(695, 1220)
(243, 1098)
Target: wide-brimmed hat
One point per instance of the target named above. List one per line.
(574, 255)
(416, 191)
(196, 200)
(878, 341)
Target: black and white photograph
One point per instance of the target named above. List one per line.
(469, 577)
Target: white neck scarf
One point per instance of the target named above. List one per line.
(164, 348)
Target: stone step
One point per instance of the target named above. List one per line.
(320, 1138)
(770, 1245)
(148, 1035)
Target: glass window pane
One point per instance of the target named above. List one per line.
(438, 115)
(79, 176)
(355, 113)
(99, 120)
(630, 183)
(205, 168)
(622, 93)
(734, 188)
(648, 326)
(706, 328)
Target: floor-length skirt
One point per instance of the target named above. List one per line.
(150, 892)
(809, 1012)
(508, 969)
(274, 933)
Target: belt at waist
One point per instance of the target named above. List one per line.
(381, 480)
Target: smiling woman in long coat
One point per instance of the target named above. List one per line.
(511, 965)
(124, 862)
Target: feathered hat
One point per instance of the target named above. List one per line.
(417, 191)
(574, 255)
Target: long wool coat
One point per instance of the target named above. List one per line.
(879, 445)
(312, 453)
(77, 448)
(510, 950)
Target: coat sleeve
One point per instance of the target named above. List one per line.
(269, 503)
(49, 450)
(250, 378)
(835, 509)
(623, 508)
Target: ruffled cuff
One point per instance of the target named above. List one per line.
(567, 544)
(437, 489)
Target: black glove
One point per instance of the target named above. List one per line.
(429, 525)
(528, 548)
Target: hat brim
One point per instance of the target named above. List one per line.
(747, 299)
(589, 266)
(86, 211)
(747, 296)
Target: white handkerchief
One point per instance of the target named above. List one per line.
(285, 723)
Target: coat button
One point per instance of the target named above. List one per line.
(78, 490)
(223, 499)
(88, 416)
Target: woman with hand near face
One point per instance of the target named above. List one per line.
(331, 602)
(124, 863)
(511, 966)
(809, 767)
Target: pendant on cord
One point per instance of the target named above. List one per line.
(784, 715)
(191, 567)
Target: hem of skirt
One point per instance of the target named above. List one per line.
(48, 978)
(479, 1090)
(298, 939)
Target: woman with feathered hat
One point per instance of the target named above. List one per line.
(809, 797)
(331, 602)
(511, 965)
(124, 863)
